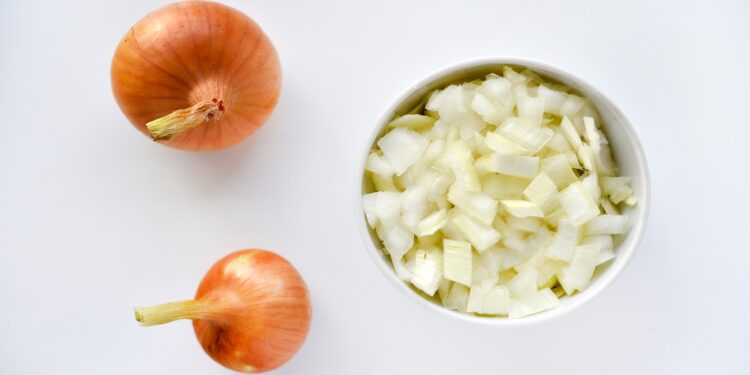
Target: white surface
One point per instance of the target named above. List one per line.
(95, 218)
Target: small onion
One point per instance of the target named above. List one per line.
(251, 312)
(196, 76)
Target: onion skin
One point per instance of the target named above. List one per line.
(251, 312)
(262, 338)
(189, 53)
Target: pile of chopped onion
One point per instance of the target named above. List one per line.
(500, 198)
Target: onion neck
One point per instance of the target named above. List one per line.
(169, 312)
(166, 127)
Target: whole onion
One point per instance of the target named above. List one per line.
(251, 312)
(196, 76)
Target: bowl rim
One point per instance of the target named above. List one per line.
(605, 279)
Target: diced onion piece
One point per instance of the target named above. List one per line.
(540, 239)
(477, 204)
(458, 297)
(368, 204)
(491, 260)
(402, 148)
(485, 108)
(543, 300)
(558, 143)
(488, 299)
(599, 150)
(607, 224)
(413, 206)
(500, 186)
(609, 207)
(523, 286)
(482, 236)
(577, 203)
(504, 146)
(457, 261)
(378, 165)
(428, 271)
(553, 99)
(603, 240)
(461, 163)
(412, 121)
(402, 270)
(631, 201)
(519, 166)
(620, 194)
(572, 105)
(398, 240)
(531, 110)
(521, 208)
(524, 224)
(577, 274)
(558, 170)
(586, 157)
(570, 133)
(564, 241)
(526, 134)
(591, 184)
(618, 188)
(610, 184)
(382, 207)
(414, 173)
(542, 191)
(437, 183)
(593, 137)
(432, 223)
(498, 92)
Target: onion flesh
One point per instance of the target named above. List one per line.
(508, 185)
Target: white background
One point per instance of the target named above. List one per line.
(95, 218)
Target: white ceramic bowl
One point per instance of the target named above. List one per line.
(627, 153)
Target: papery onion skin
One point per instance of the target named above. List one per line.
(268, 331)
(197, 52)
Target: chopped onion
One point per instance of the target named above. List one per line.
(607, 224)
(527, 134)
(428, 271)
(577, 274)
(521, 208)
(457, 261)
(519, 166)
(564, 241)
(577, 203)
(432, 223)
(542, 191)
(480, 235)
(503, 182)
(504, 146)
(402, 148)
(477, 204)
(412, 121)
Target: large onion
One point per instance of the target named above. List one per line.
(196, 76)
(251, 312)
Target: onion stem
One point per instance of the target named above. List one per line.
(166, 127)
(169, 312)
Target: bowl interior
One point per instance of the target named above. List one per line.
(626, 151)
